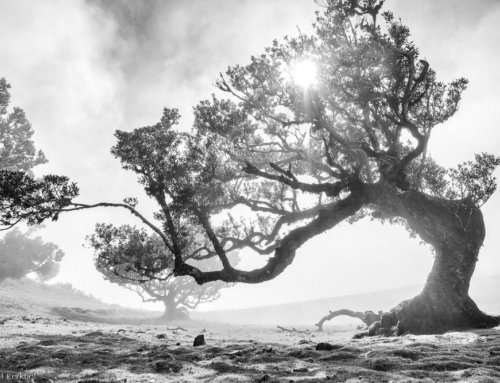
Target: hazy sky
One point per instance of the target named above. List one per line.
(82, 69)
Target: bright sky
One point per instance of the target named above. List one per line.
(83, 69)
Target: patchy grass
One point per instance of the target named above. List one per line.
(80, 339)
(62, 350)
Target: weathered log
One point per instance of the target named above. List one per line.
(368, 317)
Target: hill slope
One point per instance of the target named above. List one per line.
(485, 292)
(30, 297)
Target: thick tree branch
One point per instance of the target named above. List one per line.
(285, 252)
(329, 189)
(158, 192)
(219, 249)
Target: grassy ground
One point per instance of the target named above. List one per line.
(61, 350)
(69, 342)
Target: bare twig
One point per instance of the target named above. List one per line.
(294, 330)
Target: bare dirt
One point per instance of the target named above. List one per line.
(57, 349)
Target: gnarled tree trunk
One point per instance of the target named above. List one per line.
(456, 231)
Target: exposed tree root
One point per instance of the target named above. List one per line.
(368, 317)
(428, 313)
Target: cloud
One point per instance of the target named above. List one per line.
(52, 60)
(170, 52)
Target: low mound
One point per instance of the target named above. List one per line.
(25, 296)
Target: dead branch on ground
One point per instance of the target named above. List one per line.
(368, 317)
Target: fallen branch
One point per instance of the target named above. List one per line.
(293, 330)
(368, 317)
(176, 328)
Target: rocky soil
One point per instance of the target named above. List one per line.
(57, 349)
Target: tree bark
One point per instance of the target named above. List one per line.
(455, 229)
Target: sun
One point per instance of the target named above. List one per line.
(305, 73)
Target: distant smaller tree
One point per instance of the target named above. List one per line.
(21, 254)
(17, 150)
(48, 271)
(140, 262)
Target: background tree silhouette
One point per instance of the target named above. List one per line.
(139, 262)
(48, 271)
(21, 254)
(17, 150)
(288, 160)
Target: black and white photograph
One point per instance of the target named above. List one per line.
(249, 191)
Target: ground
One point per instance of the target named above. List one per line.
(58, 334)
(54, 348)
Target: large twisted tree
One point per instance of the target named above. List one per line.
(317, 130)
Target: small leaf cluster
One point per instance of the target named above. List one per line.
(474, 180)
(23, 198)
